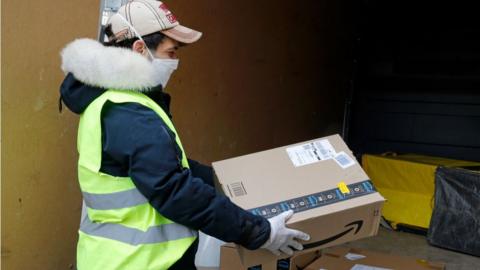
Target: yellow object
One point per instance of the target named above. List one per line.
(407, 182)
(121, 229)
(343, 188)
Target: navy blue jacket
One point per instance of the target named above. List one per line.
(137, 143)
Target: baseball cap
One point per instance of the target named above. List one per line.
(147, 17)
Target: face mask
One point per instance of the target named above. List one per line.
(163, 68)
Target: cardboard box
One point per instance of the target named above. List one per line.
(230, 259)
(320, 180)
(355, 259)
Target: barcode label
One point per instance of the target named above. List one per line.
(344, 160)
(237, 189)
(325, 149)
(309, 153)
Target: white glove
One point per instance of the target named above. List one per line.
(283, 239)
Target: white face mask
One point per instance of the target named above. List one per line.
(163, 68)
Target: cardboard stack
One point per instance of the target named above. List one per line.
(230, 259)
(344, 258)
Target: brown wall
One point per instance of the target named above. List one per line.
(40, 195)
(266, 73)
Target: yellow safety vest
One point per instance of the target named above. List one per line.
(121, 229)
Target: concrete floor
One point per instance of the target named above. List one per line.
(408, 244)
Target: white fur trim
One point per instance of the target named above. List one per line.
(107, 67)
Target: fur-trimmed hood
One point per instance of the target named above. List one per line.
(91, 69)
(108, 67)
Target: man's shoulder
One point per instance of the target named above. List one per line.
(130, 116)
(129, 111)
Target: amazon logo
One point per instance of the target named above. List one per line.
(354, 226)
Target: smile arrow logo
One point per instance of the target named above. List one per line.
(354, 226)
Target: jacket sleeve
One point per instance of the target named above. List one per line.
(201, 171)
(137, 135)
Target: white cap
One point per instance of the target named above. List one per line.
(147, 17)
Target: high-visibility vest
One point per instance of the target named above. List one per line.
(121, 230)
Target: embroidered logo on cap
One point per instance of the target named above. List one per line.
(171, 18)
(164, 8)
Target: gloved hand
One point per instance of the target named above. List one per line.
(283, 239)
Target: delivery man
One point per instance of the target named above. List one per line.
(145, 201)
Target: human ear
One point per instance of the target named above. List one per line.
(139, 46)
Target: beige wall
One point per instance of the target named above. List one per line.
(266, 73)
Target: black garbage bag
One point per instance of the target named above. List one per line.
(455, 222)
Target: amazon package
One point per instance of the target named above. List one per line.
(333, 199)
(230, 260)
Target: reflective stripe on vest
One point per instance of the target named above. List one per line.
(154, 234)
(119, 218)
(122, 199)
